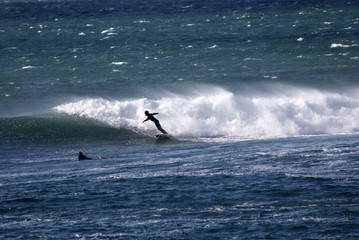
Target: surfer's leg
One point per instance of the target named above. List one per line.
(163, 131)
(158, 125)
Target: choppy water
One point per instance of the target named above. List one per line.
(260, 97)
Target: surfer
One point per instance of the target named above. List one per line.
(83, 157)
(153, 119)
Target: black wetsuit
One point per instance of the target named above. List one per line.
(83, 157)
(157, 123)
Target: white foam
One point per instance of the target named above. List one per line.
(339, 45)
(218, 112)
(119, 63)
(107, 31)
(28, 67)
(115, 113)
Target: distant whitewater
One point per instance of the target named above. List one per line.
(220, 112)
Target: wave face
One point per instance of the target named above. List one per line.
(219, 112)
(52, 127)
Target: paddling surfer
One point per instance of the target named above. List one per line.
(82, 157)
(153, 119)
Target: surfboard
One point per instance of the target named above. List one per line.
(162, 136)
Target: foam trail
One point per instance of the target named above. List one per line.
(218, 112)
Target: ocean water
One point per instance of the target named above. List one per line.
(260, 97)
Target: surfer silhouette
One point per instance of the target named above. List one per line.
(153, 119)
(83, 157)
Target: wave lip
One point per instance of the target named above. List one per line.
(114, 113)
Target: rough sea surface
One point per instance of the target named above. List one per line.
(260, 97)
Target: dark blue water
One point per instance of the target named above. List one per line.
(260, 99)
(282, 188)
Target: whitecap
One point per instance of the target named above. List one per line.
(141, 21)
(337, 45)
(28, 67)
(107, 30)
(119, 63)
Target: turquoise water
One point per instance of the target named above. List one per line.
(260, 99)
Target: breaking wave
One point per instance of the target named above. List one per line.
(219, 112)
